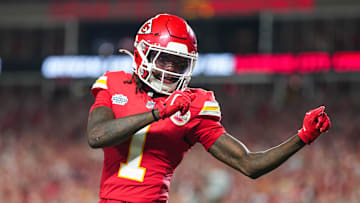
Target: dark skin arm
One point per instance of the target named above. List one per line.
(253, 164)
(104, 130)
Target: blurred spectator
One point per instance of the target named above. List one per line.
(106, 49)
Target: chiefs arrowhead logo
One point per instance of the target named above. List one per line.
(146, 28)
(179, 120)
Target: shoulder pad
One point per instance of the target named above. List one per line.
(100, 83)
(103, 82)
(209, 107)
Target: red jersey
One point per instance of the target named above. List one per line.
(140, 169)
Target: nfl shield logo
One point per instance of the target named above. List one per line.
(150, 104)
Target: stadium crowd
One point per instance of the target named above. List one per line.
(45, 157)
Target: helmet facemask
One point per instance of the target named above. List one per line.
(165, 70)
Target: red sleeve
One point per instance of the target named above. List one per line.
(208, 131)
(102, 98)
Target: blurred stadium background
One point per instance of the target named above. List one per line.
(267, 62)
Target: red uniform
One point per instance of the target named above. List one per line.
(140, 169)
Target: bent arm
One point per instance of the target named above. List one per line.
(253, 164)
(104, 130)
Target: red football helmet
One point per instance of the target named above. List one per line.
(165, 52)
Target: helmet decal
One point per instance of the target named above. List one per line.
(146, 28)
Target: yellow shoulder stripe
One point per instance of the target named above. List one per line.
(211, 108)
(100, 83)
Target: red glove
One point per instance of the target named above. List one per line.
(315, 122)
(178, 100)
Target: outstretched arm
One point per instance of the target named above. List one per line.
(255, 164)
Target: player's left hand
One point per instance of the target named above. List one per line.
(315, 122)
(177, 101)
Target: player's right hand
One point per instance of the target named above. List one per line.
(177, 101)
(315, 122)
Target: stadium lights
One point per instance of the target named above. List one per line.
(94, 66)
(221, 64)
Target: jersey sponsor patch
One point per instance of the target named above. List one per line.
(210, 108)
(119, 99)
(100, 83)
(180, 120)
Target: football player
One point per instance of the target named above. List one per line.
(146, 121)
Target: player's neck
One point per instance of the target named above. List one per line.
(148, 90)
(151, 93)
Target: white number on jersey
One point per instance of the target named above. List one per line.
(131, 169)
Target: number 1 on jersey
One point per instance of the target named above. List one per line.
(131, 169)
